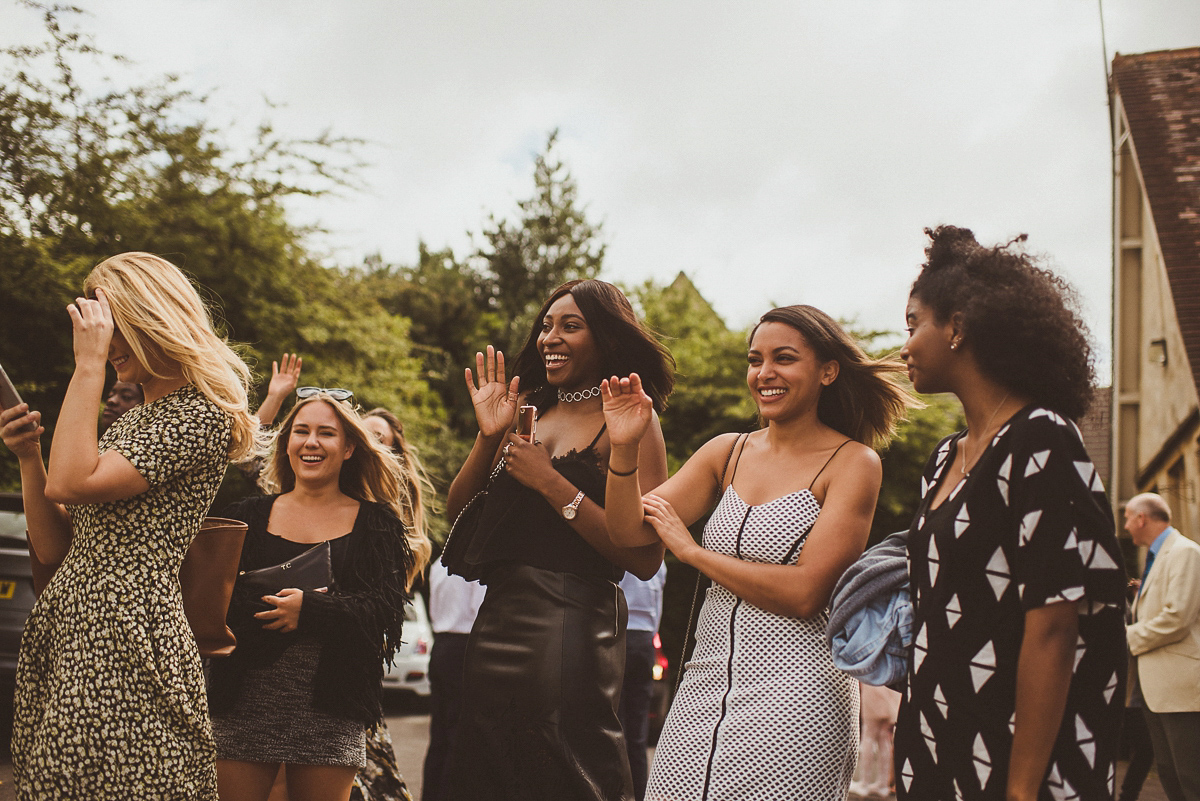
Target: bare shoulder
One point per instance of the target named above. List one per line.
(856, 463)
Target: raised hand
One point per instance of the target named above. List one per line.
(284, 379)
(92, 325)
(494, 400)
(627, 409)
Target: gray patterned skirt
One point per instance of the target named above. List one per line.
(274, 720)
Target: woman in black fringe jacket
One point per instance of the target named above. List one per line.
(304, 683)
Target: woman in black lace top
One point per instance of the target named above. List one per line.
(304, 683)
(546, 655)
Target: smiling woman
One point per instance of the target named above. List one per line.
(305, 682)
(791, 506)
(546, 654)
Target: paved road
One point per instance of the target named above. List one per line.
(409, 726)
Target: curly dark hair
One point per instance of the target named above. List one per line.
(624, 343)
(866, 401)
(1020, 320)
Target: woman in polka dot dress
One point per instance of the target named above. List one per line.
(110, 700)
(762, 713)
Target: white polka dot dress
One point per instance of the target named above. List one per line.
(762, 713)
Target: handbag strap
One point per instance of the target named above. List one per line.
(691, 625)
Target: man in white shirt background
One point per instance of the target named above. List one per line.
(453, 604)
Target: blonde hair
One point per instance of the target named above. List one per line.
(160, 314)
(372, 474)
(420, 488)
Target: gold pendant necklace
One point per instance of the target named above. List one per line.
(962, 468)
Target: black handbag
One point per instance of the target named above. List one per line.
(471, 529)
(311, 570)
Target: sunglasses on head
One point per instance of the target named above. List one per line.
(335, 393)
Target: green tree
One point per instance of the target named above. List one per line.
(85, 175)
(551, 242)
(710, 396)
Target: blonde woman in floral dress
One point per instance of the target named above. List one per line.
(110, 700)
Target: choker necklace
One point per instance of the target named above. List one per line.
(963, 467)
(575, 397)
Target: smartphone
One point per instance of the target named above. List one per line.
(9, 397)
(527, 423)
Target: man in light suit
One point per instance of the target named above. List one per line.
(1165, 639)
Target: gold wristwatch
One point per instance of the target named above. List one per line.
(569, 511)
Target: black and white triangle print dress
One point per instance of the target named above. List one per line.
(1030, 526)
(762, 713)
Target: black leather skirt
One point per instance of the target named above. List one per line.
(542, 680)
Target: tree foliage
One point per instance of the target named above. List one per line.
(551, 242)
(710, 396)
(86, 174)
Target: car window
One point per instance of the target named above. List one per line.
(12, 530)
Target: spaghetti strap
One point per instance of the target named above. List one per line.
(827, 461)
(741, 440)
(599, 434)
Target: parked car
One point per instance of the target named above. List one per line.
(409, 671)
(660, 698)
(16, 581)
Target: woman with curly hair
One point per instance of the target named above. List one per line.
(762, 713)
(305, 682)
(1015, 688)
(110, 692)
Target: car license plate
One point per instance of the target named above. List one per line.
(7, 588)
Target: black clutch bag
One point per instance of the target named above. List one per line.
(311, 570)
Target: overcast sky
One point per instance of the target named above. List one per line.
(782, 151)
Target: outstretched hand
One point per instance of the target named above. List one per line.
(495, 401)
(284, 378)
(627, 409)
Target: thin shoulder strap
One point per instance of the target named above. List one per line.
(827, 461)
(741, 438)
(599, 434)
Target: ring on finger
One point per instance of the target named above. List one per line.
(506, 447)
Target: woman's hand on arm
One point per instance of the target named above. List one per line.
(48, 523)
(283, 383)
(1044, 668)
(837, 539)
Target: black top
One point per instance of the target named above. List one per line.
(523, 528)
(1029, 526)
(357, 623)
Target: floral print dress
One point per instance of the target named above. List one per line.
(1029, 526)
(110, 700)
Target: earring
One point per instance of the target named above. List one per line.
(953, 346)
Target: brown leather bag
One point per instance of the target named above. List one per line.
(206, 578)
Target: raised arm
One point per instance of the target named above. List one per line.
(283, 383)
(836, 540)
(48, 523)
(77, 472)
(495, 403)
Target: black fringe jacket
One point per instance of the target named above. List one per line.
(358, 624)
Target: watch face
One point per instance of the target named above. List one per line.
(569, 512)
